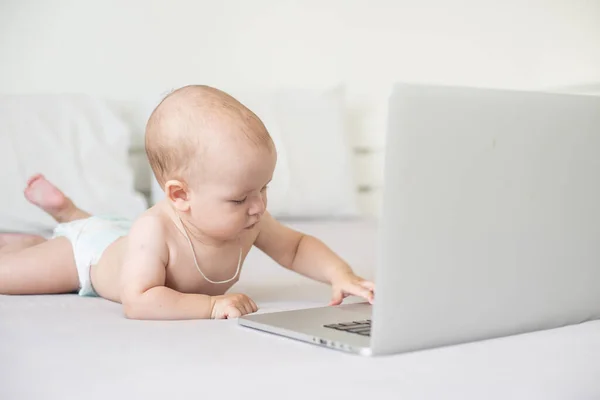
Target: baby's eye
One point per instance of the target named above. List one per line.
(239, 201)
(265, 188)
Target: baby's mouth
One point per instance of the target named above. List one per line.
(251, 226)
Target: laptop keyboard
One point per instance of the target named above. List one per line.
(359, 327)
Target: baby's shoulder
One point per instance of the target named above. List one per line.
(149, 234)
(152, 222)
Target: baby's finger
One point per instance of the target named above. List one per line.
(367, 284)
(253, 304)
(337, 298)
(245, 306)
(233, 312)
(250, 304)
(360, 291)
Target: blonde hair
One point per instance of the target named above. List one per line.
(176, 132)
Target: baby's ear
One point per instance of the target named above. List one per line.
(177, 194)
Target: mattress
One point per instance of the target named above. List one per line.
(62, 347)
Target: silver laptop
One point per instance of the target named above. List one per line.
(490, 224)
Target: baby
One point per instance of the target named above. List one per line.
(214, 159)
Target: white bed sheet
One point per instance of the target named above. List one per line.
(62, 347)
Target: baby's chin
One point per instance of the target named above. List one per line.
(229, 233)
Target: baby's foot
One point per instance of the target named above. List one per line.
(49, 198)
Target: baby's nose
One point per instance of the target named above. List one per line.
(258, 207)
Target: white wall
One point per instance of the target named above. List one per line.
(132, 48)
(126, 48)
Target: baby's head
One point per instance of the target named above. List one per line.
(213, 157)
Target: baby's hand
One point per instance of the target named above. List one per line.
(231, 306)
(348, 284)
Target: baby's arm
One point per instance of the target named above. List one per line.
(143, 291)
(310, 257)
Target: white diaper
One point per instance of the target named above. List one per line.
(90, 237)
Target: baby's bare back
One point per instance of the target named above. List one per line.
(217, 263)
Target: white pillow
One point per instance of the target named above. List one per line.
(318, 154)
(77, 143)
(314, 176)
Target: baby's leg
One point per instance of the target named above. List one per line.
(10, 238)
(49, 198)
(46, 268)
(11, 242)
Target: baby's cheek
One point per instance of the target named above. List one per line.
(240, 217)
